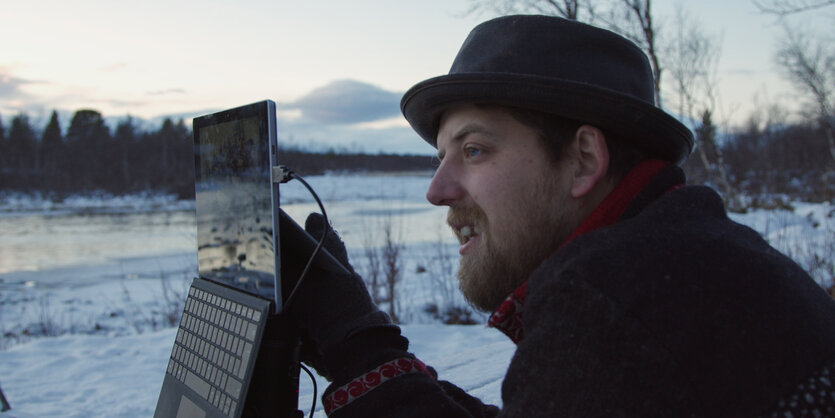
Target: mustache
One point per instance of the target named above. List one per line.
(458, 216)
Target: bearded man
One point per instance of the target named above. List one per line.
(626, 292)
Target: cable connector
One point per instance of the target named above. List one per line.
(282, 174)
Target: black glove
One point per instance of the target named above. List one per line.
(330, 308)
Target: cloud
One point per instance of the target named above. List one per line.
(122, 103)
(166, 91)
(347, 102)
(10, 87)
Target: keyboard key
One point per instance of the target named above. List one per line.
(245, 357)
(221, 382)
(197, 384)
(250, 332)
(233, 387)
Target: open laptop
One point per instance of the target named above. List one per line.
(233, 354)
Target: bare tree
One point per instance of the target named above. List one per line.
(569, 9)
(373, 266)
(638, 25)
(789, 7)
(384, 263)
(692, 58)
(810, 65)
(392, 263)
(808, 61)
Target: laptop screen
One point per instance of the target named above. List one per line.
(234, 153)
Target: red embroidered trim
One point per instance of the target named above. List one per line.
(364, 384)
(508, 318)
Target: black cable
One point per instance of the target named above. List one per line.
(312, 379)
(287, 175)
(291, 175)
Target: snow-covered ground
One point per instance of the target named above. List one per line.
(101, 376)
(88, 286)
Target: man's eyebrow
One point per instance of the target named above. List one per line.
(463, 132)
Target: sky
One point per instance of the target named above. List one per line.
(336, 69)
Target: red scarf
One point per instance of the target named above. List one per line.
(508, 317)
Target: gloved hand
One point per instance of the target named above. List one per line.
(330, 308)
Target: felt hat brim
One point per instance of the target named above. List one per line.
(641, 123)
(554, 66)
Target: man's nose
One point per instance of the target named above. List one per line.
(445, 188)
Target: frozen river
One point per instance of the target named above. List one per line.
(49, 244)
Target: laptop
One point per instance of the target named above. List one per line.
(233, 354)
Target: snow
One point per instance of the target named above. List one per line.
(99, 376)
(84, 329)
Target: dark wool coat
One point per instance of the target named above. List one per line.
(673, 311)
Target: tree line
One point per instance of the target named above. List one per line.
(92, 157)
(764, 162)
(765, 157)
(89, 156)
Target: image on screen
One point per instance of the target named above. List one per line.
(234, 204)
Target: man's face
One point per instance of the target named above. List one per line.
(509, 202)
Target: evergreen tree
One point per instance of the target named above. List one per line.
(183, 161)
(51, 155)
(173, 143)
(706, 136)
(22, 152)
(88, 140)
(5, 170)
(714, 162)
(125, 142)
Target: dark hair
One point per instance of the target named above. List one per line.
(557, 132)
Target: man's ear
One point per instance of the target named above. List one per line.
(591, 156)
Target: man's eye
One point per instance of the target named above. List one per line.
(472, 151)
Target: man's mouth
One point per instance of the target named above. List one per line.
(468, 232)
(468, 224)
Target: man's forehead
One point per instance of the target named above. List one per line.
(467, 118)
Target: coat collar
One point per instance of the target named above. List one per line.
(639, 187)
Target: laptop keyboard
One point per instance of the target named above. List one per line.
(213, 348)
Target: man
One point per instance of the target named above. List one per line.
(626, 292)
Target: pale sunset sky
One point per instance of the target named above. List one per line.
(337, 69)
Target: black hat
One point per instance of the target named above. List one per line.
(556, 66)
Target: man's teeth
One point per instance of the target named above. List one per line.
(468, 232)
